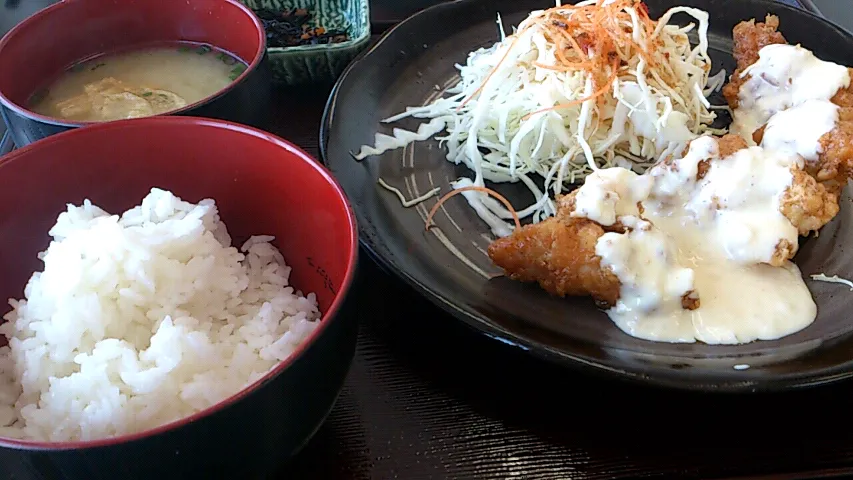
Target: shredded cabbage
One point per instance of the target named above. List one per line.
(520, 110)
(820, 277)
(408, 203)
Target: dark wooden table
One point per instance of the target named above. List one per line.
(429, 398)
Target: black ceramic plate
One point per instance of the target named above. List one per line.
(410, 66)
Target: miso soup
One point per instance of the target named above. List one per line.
(138, 83)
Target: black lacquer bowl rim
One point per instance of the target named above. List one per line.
(672, 378)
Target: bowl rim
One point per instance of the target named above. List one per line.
(29, 114)
(355, 42)
(326, 319)
(332, 47)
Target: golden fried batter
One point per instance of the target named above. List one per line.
(812, 200)
(808, 205)
(834, 166)
(729, 144)
(758, 135)
(835, 161)
(750, 37)
(784, 251)
(559, 254)
(844, 97)
(726, 145)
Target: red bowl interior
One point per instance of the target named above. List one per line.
(262, 185)
(41, 47)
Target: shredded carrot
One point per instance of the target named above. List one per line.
(590, 38)
(485, 190)
(561, 56)
(601, 91)
(576, 46)
(560, 68)
(489, 76)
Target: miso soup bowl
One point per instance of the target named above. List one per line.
(261, 185)
(39, 49)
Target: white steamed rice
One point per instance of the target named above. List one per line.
(143, 319)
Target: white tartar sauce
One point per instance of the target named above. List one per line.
(708, 239)
(784, 76)
(799, 129)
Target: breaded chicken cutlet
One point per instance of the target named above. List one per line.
(807, 204)
(560, 253)
(834, 166)
(749, 38)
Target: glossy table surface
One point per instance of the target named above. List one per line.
(428, 398)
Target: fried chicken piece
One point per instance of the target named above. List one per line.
(559, 254)
(726, 146)
(812, 200)
(844, 97)
(834, 167)
(784, 251)
(729, 144)
(758, 135)
(808, 204)
(749, 38)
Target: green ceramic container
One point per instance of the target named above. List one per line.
(313, 64)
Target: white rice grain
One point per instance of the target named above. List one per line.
(142, 319)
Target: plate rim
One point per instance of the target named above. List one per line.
(655, 376)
